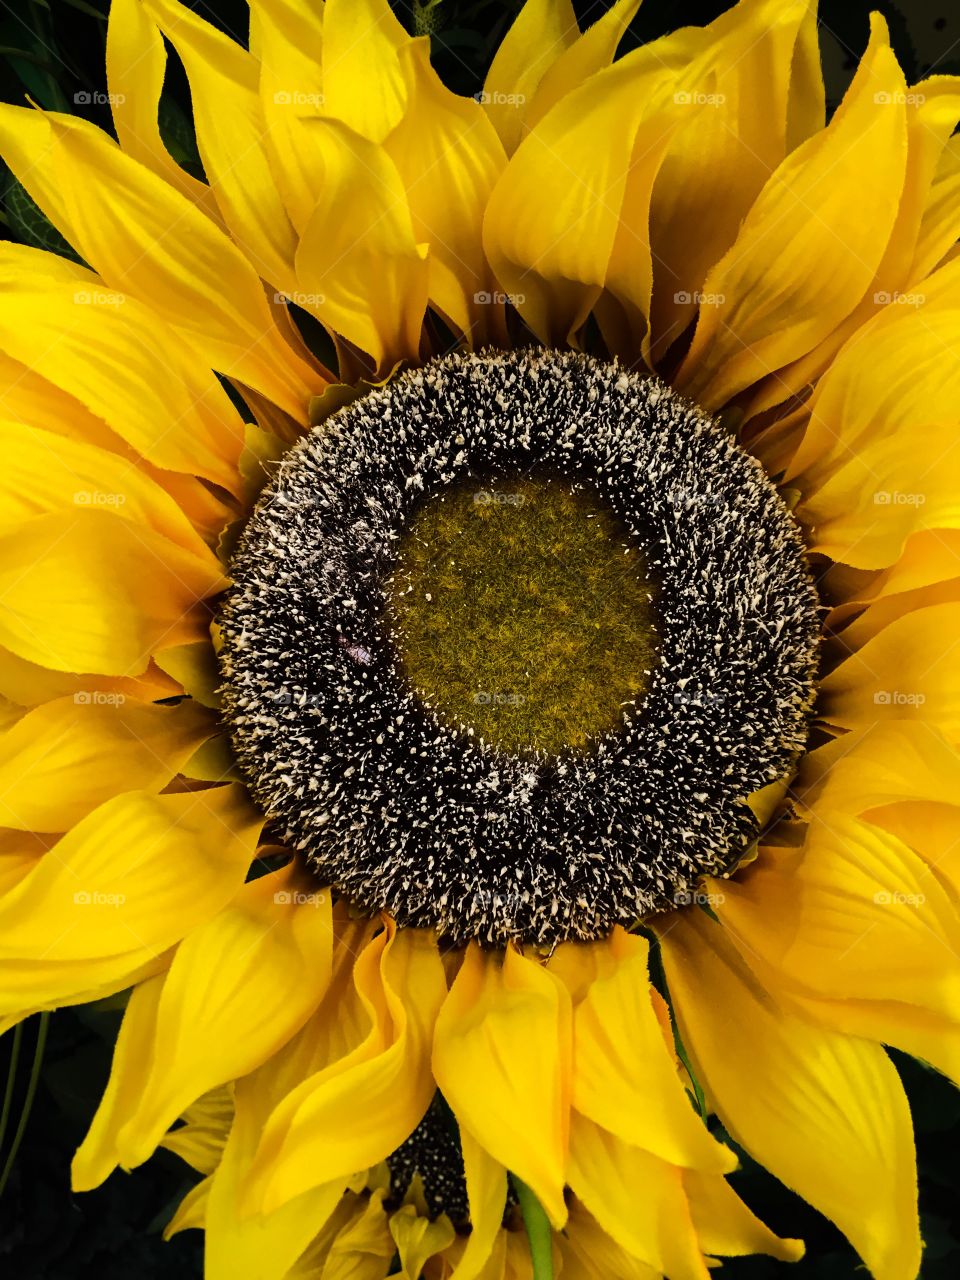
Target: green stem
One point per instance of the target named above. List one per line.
(11, 1079)
(28, 1100)
(539, 1232)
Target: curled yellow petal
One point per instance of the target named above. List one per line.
(312, 1137)
(725, 1225)
(359, 267)
(364, 83)
(788, 1090)
(655, 1227)
(418, 1239)
(95, 1159)
(274, 934)
(516, 1105)
(625, 1078)
(136, 63)
(486, 1194)
(539, 35)
(448, 157)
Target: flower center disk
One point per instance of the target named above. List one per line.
(521, 610)
(511, 642)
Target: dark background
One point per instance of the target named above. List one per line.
(53, 51)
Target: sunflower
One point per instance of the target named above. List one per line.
(476, 634)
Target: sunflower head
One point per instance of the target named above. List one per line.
(478, 582)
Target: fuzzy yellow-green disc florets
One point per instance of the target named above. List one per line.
(523, 610)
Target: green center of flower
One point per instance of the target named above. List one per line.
(520, 610)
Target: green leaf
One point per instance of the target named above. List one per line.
(30, 225)
(539, 1232)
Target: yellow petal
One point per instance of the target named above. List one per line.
(907, 672)
(803, 258)
(878, 461)
(721, 156)
(539, 35)
(312, 1136)
(20, 851)
(136, 64)
(114, 356)
(555, 265)
(84, 591)
(516, 1105)
(257, 1248)
(940, 222)
(132, 1054)
(128, 881)
(365, 1243)
(230, 125)
(359, 267)
(486, 1194)
(194, 667)
(584, 57)
(418, 1239)
(265, 1247)
(932, 830)
(67, 757)
(879, 765)
(656, 1226)
(725, 1225)
(932, 112)
(197, 280)
(29, 684)
(449, 157)
(625, 1079)
(45, 472)
(364, 84)
(201, 1138)
(825, 1113)
(288, 35)
(588, 1253)
(191, 1211)
(26, 397)
(855, 914)
(274, 934)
